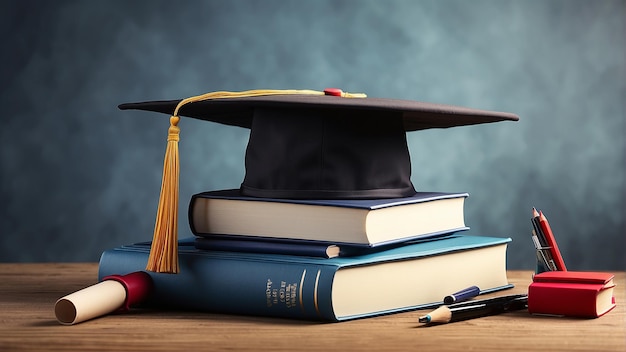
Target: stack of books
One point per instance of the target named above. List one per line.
(329, 260)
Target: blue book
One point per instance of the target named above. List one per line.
(364, 222)
(413, 276)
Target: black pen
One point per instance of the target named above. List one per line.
(475, 309)
(540, 241)
(543, 254)
(491, 300)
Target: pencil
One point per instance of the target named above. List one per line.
(538, 231)
(475, 309)
(554, 248)
(535, 213)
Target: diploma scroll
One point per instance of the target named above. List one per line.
(113, 293)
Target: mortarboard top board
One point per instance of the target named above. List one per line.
(239, 111)
(313, 144)
(323, 146)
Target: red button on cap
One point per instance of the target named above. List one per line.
(336, 92)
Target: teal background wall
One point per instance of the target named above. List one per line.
(79, 176)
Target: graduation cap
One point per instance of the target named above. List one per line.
(305, 144)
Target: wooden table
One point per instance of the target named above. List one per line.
(27, 323)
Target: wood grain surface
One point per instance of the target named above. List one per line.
(27, 323)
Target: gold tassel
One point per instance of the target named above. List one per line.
(164, 250)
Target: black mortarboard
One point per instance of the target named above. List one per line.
(319, 145)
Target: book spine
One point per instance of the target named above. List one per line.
(563, 299)
(233, 285)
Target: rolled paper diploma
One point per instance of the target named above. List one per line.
(113, 293)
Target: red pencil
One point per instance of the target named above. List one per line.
(554, 248)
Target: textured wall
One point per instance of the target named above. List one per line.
(79, 176)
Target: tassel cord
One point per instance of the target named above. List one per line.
(163, 256)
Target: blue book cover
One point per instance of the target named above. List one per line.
(365, 222)
(414, 276)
